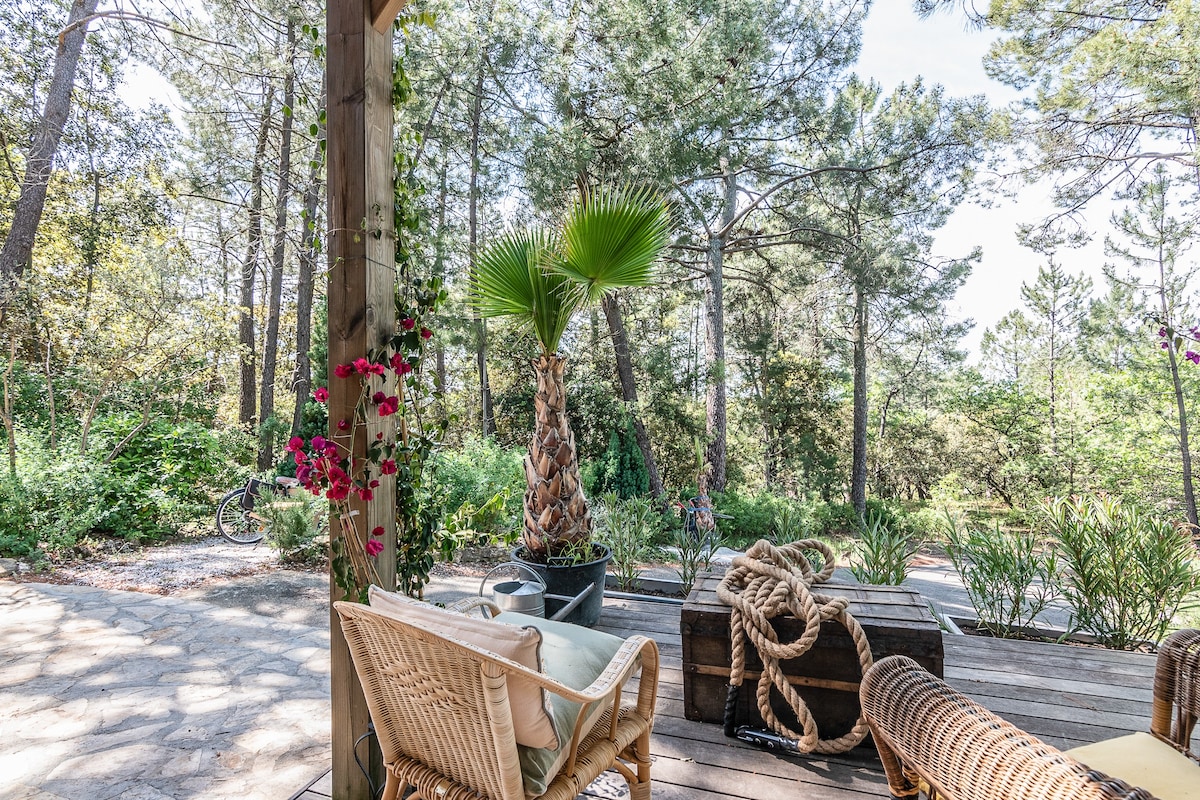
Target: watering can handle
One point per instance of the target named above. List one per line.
(519, 566)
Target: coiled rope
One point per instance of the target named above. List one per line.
(769, 581)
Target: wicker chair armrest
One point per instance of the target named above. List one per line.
(469, 604)
(926, 730)
(1176, 707)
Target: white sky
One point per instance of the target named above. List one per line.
(898, 46)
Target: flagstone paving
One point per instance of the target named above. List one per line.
(111, 694)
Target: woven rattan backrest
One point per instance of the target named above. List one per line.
(440, 702)
(966, 751)
(1177, 688)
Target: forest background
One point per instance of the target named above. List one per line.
(163, 322)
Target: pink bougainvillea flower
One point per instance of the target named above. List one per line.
(373, 484)
(299, 457)
(389, 406)
(377, 531)
(343, 370)
(294, 444)
(374, 547)
(377, 369)
(1192, 357)
(365, 494)
(387, 466)
(1162, 332)
(379, 436)
(362, 366)
(397, 360)
(338, 491)
(318, 443)
(426, 333)
(343, 424)
(408, 323)
(403, 368)
(321, 394)
(378, 398)
(331, 449)
(1165, 345)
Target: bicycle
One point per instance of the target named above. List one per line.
(236, 520)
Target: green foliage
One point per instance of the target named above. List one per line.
(1011, 577)
(473, 474)
(627, 526)
(1127, 572)
(884, 551)
(471, 525)
(621, 469)
(299, 530)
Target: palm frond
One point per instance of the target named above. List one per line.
(612, 239)
(514, 277)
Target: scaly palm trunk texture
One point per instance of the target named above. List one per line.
(556, 512)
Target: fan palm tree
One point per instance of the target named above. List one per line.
(610, 239)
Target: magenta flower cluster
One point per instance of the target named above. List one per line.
(1194, 335)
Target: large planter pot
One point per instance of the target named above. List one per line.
(569, 579)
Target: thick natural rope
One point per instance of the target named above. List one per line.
(767, 582)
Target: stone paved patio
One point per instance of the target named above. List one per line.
(109, 694)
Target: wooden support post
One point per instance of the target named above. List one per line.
(362, 310)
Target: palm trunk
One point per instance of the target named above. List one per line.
(556, 512)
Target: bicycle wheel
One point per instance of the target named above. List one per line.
(235, 523)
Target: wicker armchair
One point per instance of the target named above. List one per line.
(930, 736)
(441, 711)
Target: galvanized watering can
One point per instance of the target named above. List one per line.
(528, 597)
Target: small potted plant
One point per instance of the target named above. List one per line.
(609, 239)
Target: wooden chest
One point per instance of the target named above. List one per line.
(897, 621)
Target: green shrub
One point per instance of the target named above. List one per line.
(621, 469)
(1009, 577)
(627, 527)
(1127, 573)
(475, 473)
(468, 526)
(298, 528)
(884, 551)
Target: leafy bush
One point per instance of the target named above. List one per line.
(884, 551)
(627, 527)
(1127, 573)
(475, 473)
(1009, 577)
(469, 526)
(298, 528)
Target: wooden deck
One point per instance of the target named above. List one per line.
(1064, 695)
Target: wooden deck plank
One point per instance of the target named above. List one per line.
(1063, 694)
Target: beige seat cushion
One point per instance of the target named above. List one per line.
(1142, 760)
(575, 656)
(533, 720)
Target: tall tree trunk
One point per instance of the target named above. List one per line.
(556, 512)
(283, 190)
(616, 329)
(487, 420)
(302, 383)
(439, 271)
(247, 388)
(1185, 452)
(858, 462)
(714, 344)
(17, 252)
